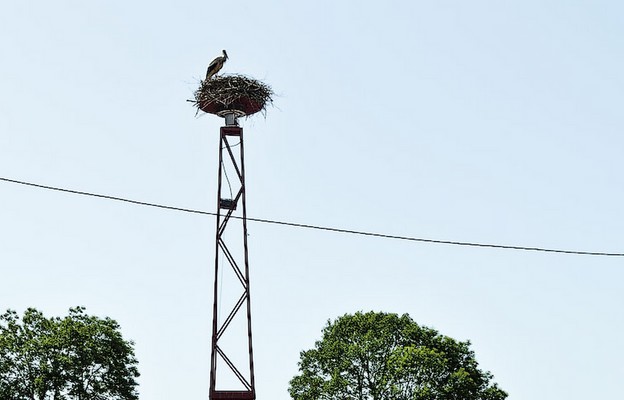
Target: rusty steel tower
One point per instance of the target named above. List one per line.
(231, 364)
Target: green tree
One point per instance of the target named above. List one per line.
(380, 356)
(77, 357)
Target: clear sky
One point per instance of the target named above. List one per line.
(483, 121)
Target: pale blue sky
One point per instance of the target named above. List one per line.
(483, 121)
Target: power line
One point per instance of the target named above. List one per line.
(322, 228)
(103, 196)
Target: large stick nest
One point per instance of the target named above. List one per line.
(233, 92)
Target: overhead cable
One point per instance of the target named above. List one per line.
(322, 228)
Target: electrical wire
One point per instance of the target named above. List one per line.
(227, 179)
(323, 228)
(225, 171)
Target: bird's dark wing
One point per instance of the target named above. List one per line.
(214, 63)
(214, 66)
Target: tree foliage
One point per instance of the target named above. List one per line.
(380, 356)
(77, 357)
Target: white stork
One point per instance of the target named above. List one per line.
(216, 65)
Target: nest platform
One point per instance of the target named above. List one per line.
(233, 94)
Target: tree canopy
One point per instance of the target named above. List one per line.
(381, 356)
(77, 357)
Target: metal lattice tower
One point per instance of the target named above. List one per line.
(231, 374)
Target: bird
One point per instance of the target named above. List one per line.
(216, 65)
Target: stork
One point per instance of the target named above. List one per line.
(216, 65)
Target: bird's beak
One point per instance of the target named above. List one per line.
(225, 54)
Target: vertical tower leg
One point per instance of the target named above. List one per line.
(231, 258)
